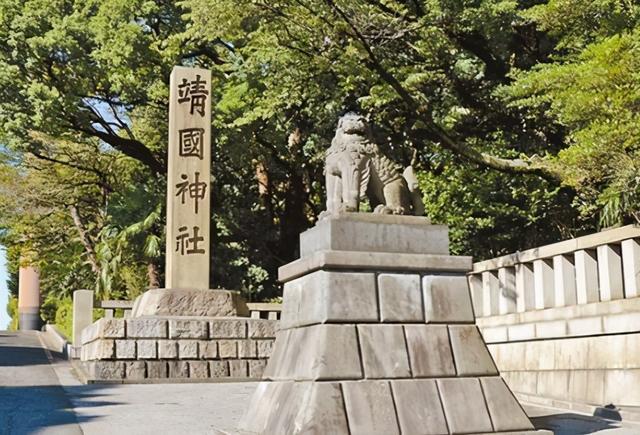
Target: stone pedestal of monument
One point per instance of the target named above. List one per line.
(177, 334)
(377, 336)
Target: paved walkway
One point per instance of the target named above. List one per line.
(39, 397)
(31, 398)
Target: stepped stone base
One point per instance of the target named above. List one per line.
(171, 348)
(364, 352)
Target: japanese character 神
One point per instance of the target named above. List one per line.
(196, 190)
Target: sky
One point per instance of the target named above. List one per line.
(4, 292)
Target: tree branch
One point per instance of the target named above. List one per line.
(129, 147)
(516, 166)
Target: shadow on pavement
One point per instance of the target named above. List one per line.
(572, 424)
(19, 356)
(29, 409)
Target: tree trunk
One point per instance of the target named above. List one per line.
(85, 239)
(293, 220)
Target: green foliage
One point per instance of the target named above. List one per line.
(12, 310)
(594, 94)
(544, 91)
(64, 317)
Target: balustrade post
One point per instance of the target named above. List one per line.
(82, 313)
(631, 267)
(524, 288)
(564, 280)
(610, 272)
(490, 290)
(586, 276)
(543, 283)
(475, 285)
(507, 295)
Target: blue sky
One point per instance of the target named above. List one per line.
(4, 292)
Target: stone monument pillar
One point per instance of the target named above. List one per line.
(28, 298)
(186, 291)
(188, 179)
(378, 336)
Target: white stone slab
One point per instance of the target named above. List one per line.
(400, 298)
(526, 331)
(379, 261)
(125, 349)
(384, 351)
(187, 349)
(555, 328)
(505, 411)
(168, 349)
(147, 349)
(464, 405)
(370, 408)
(490, 291)
(228, 328)
(189, 302)
(429, 350)
(318, 352)
(331, 297)
(447, 299)
(183, 328)
(470, 353)
(418, 407)
(82, 313)
(147, 328)
(368, 232)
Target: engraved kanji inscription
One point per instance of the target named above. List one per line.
(186, 243)
(191, 142)
(195, 190)
(195, 93)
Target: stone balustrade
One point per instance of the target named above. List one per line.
(110, 308)
(261, 310)
(562, 321)
(599, 267)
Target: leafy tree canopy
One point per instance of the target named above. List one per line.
(521, 115)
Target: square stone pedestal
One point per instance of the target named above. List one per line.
(179, 334)
(378, 342)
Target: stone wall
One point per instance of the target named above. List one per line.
(578, 355)
(563, 320)
(155, 348)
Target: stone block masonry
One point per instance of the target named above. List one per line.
(138, 349)
(380, 346)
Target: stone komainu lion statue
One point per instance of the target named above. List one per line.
(355, 167)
